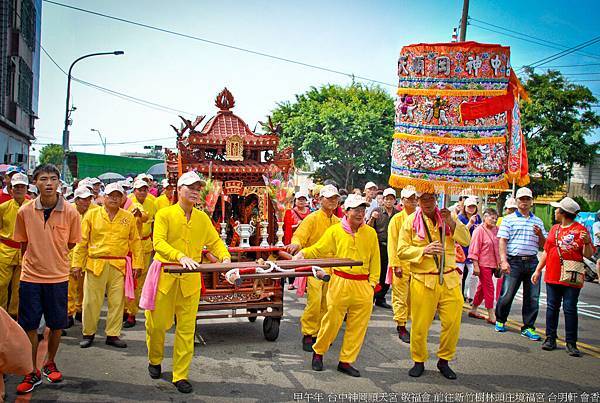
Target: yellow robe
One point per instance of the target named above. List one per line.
(347, 297)
(308, 233)
(178, 295)
(400, 294)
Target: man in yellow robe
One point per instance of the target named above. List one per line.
(180, 234)
(307, 234)
(165, 199)
(420, 245)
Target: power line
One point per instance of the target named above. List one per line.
(572, 65)
(139, 101)
(563, 53)
(585, 81)
(538, 41)
(115, 143)
(225, 45)
(593, 73)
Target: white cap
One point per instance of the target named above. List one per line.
(470, 201)
(82, 193)
(148, 176)
(353, 201)
(189, 178)
(114, 187)
(567, 204)
(389, 191)
(141, 177)
(165, 183)
(85, 183)
(370, 185)
(524, 192)
(328, 191)
(301, 194)
(139, 184)
(33, 189)
(125, 184)
(511, 203)
(129, 179)
(408, 192)
(94, 181)
(19, 179)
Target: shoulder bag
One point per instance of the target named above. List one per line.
(572, 272)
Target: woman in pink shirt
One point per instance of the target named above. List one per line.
(484, 252)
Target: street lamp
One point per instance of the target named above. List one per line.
(65, 142)
(102, 140)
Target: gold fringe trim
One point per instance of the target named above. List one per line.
(443, 92)
(519, 180)
(450, 140)
(450, 188)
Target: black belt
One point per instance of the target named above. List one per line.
(523, 258)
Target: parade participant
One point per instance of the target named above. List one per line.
(471, 218)
(148, 180)
(484, 253)
(419, 244)
(83, 203)
(401, 270)
(15, 350)
(166, 198)
(180, 234)
(5, 192)
(32, 191)
(108, 234)
(567, 243)
(153, 187)
(380, 220)
(370, 195)
(521, 235)
(351, 289)
(509, 207)
(307, 234)
(96, 190)
(292, 219)
(144, 210)
(47, 228)
(10, 251)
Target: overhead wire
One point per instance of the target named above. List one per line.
(222, 44)
(561, 54)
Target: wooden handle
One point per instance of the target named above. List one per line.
(284, 264)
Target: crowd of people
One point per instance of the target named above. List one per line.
(64, 250)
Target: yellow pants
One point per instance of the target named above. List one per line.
(75, 301)
(112, 283)
(316, 306)
(132, 307)
(158, 322)
(351, 297)
(401, 298)
(9, 281)
(448, 302)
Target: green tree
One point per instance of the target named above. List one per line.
(52, 154)
(555, 124)
(348, 131)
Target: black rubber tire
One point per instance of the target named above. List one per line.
(271, 328)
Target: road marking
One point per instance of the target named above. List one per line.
(583, 308)
(594, 351)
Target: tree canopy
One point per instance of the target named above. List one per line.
(555, 124)
(348, 131)
(52, 154)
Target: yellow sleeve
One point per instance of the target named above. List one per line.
(80, 251)
(325, 246)
(303, 232)
(161, 231)
(214, 243)
(406, 250)
(135, 246)
(392, 245)
(2, 209)
(375, 262)
(461, 234)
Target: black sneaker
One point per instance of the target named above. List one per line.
(317, 362)
(183, 386)
(445, 370)
(572, 350)
(154, 371)
(130, 322)
(87, 341)
(403, 334)
(348, 369)
(70, 322)
(78, 317)
(417, 370)
(549, 344)
(115, 342)
(307, 343)
(383, 304)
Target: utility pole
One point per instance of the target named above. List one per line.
(463, 21)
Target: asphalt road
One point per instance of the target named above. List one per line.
(238, 364)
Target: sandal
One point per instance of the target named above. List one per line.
(476, 315)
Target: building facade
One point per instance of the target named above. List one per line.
(20, 27)
(585, 181)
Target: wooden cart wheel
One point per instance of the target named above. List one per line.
(271, 328)
(252, 318)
